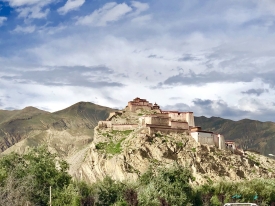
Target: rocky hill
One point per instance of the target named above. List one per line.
(94, 153)
(65, 130)
(124, 155)
(248, 134)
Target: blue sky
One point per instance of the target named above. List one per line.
(215, 58)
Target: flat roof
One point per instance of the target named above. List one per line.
(202, 131)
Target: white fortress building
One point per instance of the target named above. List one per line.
(157, 120)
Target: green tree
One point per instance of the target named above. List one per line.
(109, 192)
(169, 185)
(31, 176)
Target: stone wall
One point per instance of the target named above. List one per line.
(177, 116)
(123, 127)
(180, 125)
(134, 108)
(182, 116)
(221, 142)
(104, 124)
(216, 140)
(160, 120)
(190, 119)
(166, 130)
(203, 137)
(230, 145)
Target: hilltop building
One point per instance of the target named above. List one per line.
(157, 120)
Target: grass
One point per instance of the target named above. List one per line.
(179, 144)
(254, 160)
(158, 134)
(119, 132)
(111, 147)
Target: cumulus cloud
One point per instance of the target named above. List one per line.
(70, 6)
(142, 19)
(256, 92)
(200, 79)
(16, 3)
(220, 108)
(196, 60)
(65, 76)
(33, 12)
(113, 11)
(2, 20)
(26, 29)
(140, 7)
(31, 9)
(187, 57)
(110, 12)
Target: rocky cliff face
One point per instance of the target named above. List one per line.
(124, 155)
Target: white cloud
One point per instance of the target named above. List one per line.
(110, 12)
(27, 29)
(140, 7)
(2, 19)
(142, 19)
(70, 5)
(31, 9)
(266, 6)
(34, 12)
(16, 3)
(182, 36)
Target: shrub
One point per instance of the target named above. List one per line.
(31, 175)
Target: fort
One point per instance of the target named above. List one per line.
(140, 113)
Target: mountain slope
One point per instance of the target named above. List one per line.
(94, 153)
(37, 125)
(125, 155)
(249, 134)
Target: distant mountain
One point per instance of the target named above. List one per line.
(74, 126)
(249, 134)
(40, 126)
(124, 155)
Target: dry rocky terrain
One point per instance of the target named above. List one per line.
(124, 155)
(94, 153)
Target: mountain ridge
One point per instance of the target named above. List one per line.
(16, 125)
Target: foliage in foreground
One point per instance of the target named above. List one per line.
(27, 179)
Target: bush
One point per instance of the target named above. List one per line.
(168, 186)
(31, 175)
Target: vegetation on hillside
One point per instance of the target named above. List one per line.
(248, 134)
(26, 179)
